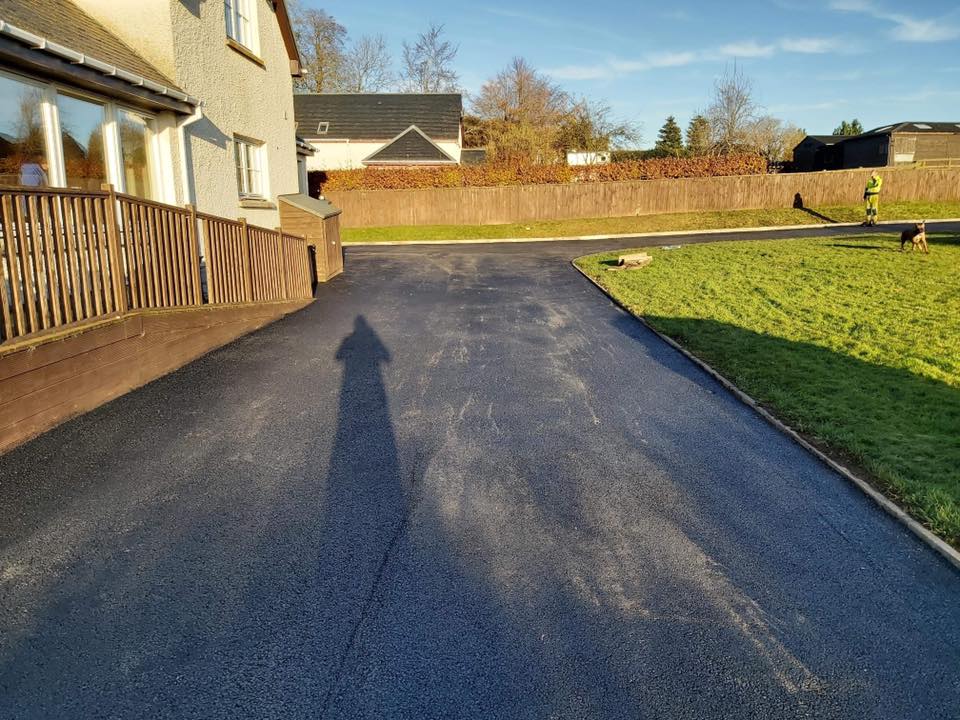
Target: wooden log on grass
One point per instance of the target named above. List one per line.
(634, 260)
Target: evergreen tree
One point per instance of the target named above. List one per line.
(698, 136)
(849, 128)
(670, 139)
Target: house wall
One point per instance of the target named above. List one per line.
(187, 40)
(347, 154)
(144, 25)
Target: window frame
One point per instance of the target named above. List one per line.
(153, 149)
(241, 14)
(50, 117)
(243, 166)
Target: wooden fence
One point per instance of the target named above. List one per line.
(70, 256)
(525, 203)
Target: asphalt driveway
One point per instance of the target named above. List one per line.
(460, 485)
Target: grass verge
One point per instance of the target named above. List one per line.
(677, 222)
(850, 342)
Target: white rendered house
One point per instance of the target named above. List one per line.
(179, 101)
(357, 130)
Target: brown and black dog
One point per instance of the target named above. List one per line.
(917, 236)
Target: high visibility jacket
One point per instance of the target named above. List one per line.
(873, 186)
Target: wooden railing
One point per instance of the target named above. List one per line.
(253, 264)
(70, 256)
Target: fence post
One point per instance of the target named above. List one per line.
(284, 263)
(247, 263)
(197, 257)
(118, 275)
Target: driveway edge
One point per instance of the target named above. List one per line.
(624, 236)
(945, 550)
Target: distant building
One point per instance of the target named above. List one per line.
(906, 143)
(588, 158)
(819, 152)
(359, 130)
(903, 144)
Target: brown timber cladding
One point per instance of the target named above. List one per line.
(497, 205)
(45, 383)
(323, 235)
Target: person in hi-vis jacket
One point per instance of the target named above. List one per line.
(872, 197)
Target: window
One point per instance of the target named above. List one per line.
(239, 27)
(323, 128)
(134, 131)
(81, 137)
(248, 155)
(62, 138)
(23, 144)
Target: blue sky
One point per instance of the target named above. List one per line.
(812, 63)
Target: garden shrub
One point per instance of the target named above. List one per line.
(493, 175)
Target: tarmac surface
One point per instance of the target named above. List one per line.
(462, 484)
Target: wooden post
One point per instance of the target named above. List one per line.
(284, 265)
(118, 275)
(196, 253)
(247, 266)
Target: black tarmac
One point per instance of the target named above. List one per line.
(462, 484)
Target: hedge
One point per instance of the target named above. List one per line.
(494, 175)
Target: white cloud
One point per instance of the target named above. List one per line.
(580, 72)
(906, 28)
(812, 45)
(615, 67)
(747, 49)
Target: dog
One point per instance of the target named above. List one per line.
(917, 236)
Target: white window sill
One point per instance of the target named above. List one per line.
(245, 51)
(257, 203)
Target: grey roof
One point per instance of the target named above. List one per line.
(378, 116)
(66, 24)
(914, 126)
(320, 207)
(411, 147)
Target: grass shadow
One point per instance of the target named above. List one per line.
(798, 205)
(851, 246)
(899, 426)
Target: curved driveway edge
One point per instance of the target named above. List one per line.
(949, 553)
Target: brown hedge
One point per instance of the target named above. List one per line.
(493, 175)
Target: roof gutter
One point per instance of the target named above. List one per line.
(42, 44)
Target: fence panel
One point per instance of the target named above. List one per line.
(70, 256)
(59, 259)
(227, 257)
(266, 264)
(525, 203)
(297, 259)
(160, 253)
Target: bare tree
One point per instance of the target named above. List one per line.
(320, 40)
(774, 139)
(428, 63)
(366, 66)
(732, 112)
(519, 94)
(591, 127)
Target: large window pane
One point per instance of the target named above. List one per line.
(81, 132)
(23, 152)
(135, 153)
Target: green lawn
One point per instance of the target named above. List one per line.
(851, 342)
(652, 223)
